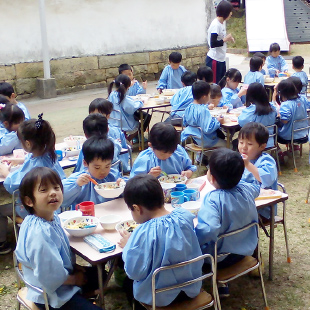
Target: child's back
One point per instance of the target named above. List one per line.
(304, 80)
(254, 75)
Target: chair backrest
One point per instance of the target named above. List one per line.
(15, 197)
(120, 164)
(119, 118)
(273, 133)
(186, 283)
(299, 126)
(199, 136)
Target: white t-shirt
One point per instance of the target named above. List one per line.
(217, 53)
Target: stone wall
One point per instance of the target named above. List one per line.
(74, 74)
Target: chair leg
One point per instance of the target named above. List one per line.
(288, 258)
(295, 168)
(262, 284)
(300, 150)
(17, 305)
(193, 158)
(308, 192)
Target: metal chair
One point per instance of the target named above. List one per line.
(178, 128)
(274, 148)
(247, 264)
(120, 164)
(202, 301)
(16, 219)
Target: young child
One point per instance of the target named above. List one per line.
(256, 65)
(7, 90)
(258, 109)
(198, 114)
(229, 207)
(11, 116)
(217, 41)
(230, 91)
(125, 105)
(161, 239)
(43, 247)
(105, 107)
(182, 99)
(205, 74)
(298, 65)
(275, 62)
(298, 84)
(98, 155)
(260, 167)
(135, 87)
(216, 98)
(171, 76)
(164, 154)
(263, 57)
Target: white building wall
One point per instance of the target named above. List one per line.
(96, 27)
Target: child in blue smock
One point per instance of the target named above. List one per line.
(230, 91)
(216, 98)
(163, 238)
(7, 90)
(263, 57)
(275, 62)
(258, 109)
(260, 167)
(43, 247)
(298, 65)
(164, 154)
(11, 116)
(170, 78)
(135, 88)
(229, 207)
(105, 107)
(198, 115)
(205, 73)
(298, 84)
(254, 75)
(98, 156)
(182, 99)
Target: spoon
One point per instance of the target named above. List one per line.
(93, 181)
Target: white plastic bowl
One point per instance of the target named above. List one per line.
(125, 225)
(66, 215)
(81, 232)
(159, 100)
(107, 190)
(72, 140)
(192, 206)
(73, 152)
(168, 92)
(173, 178)
(109, 221)
(269, 80)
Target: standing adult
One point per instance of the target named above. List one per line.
(217, 39)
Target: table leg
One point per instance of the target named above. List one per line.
(100, 281)
(228, 138)
(271, 242)
(141, 130)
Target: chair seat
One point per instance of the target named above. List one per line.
(21, 296)
(193, 147)
(201, 300)
(277, 220)
(237, 269)
(123, 151)
(178, 128)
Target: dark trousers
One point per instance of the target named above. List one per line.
(218, 68)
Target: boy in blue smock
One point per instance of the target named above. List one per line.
(171, 76)
(198, 115)
(275, 62)
(229, 207)
(298, 65)
(164, 154)
(163, 238)
(7, 90)
(263, 57)
(98, 155)
(260, 167)
(135, 88)
(254, 75)
(205, 73)
(182, 99)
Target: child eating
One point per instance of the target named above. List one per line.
(275, 62)
(256, 65)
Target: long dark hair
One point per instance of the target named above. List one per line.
(40, 133)
(233, 74)
(256, 94)
(122, 83)
(287, 90)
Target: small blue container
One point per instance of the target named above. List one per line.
(180, 187)
(59, 155)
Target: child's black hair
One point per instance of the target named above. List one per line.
(12, 114)
(124, 67)
(122, 83)
(98, 147)
(233, 74)
(260, 54)
(256, 130)
(175, 57)
(227, 167)
(287, 90)
(256, 94)
(274, 47)
(298, 62)
(27, 186)
(223, 9)
(6, 89)
(164, 137)
(103, 106)
(297, 82)
(4, 99)
(199, 89)
(255, 63)
(95, 124)
(215, 91)
(188, 78)
(205, 74)
(41, 135)
(144, 190)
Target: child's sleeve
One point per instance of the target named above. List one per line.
(140, 89)
(246, 115)
(209, 123)
(141, 165)
(285, 112)
(9, 142)
(252, 189)
(232, 99)
(12, 181)
(175, 100)
(163, 80)
(187, 163)
(267, 171)
(261, 79)
(130, 106)
(71, 189)
(284, 66)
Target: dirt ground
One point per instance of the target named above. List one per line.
(291, 285)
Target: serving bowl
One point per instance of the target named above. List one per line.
(73, 141)
(269, 80)
(72, 151)
(173, 178)
(109, 221)
(159, 100)
(128, 225)
(168, 92)
(110, 189)
(81, 226)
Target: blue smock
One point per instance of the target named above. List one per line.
(304, 80)
(24, 109)
(175, 164)
(136, 89)
(163, 241)
(230, 96)
(276, 63)
(263, 72)
(171, 78)
(181, 100)
(8, 141)
(253, 77)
